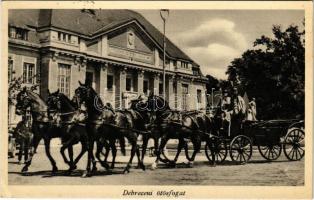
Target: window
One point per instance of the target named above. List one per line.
(12, 32)
(128, 84)
(175, 63)
(145, 87)
(110, 82)
(28, 73)
(185, 65)
(199, 96)
(18, 33)
(89, 78)
(63, 37)
(196, 72)
(64, 75)
(161, 88)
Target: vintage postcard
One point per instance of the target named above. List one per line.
(156, 99)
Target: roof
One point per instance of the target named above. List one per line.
(90, 22)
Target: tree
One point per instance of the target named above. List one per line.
(273, 73)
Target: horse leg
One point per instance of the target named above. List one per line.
(197, 146)
(100, 146)
(132, 139)
(35, 145)
(180, 146)
(162, 145)
(87, 172)
(144, 147)
(62, 149)
(113, 147)
(52, 161)
(107, 148)
(83, 150)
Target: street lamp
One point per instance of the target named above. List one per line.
(164, 14)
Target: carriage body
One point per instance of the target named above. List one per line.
(266, 132)
(270, 137)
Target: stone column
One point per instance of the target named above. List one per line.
(192, 97)
(179, 93)
(104, 46)
(53, 73)
(170, 92)
(156, 83)
(103, 80)
(122, 80)
(140, 80)
(156, 57)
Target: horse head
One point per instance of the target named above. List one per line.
(53, 101)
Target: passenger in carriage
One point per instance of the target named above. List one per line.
(251, 111)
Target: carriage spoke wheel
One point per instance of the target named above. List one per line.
(294, 144)
(216, 148)
(241, 149)
(271, 151)
(188, 153)
(167, 156)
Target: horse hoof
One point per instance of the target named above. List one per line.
(154, 166)
(126, 170)
(143, 167)
(54, 169)
(86, 174)
(25, 169)
(94, 169)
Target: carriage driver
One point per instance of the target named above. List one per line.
(225, 110)
(238, 112)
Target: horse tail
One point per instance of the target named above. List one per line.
(122, 145)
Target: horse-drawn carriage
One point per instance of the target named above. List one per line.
(270, 137)
(151, 119)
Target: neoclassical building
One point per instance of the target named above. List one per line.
(118, 51)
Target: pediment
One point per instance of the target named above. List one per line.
(131, 37)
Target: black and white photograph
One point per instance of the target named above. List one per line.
(154, 97)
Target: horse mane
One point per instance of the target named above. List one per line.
(96, 106)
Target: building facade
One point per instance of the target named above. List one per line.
(117, 51)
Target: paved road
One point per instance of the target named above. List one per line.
(257, 172)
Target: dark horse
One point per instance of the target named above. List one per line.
(42, 127)
(71, 122)
(103, 122)
(173, 125)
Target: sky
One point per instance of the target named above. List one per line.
(213, 38)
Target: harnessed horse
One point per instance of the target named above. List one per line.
(71, 122)
(42, 127)
(173, 125)
(103, 122)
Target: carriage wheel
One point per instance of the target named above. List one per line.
(186, 149)
(241, 149)
(219, 147)
(270, 152)
(294, 144)
(165, 156)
